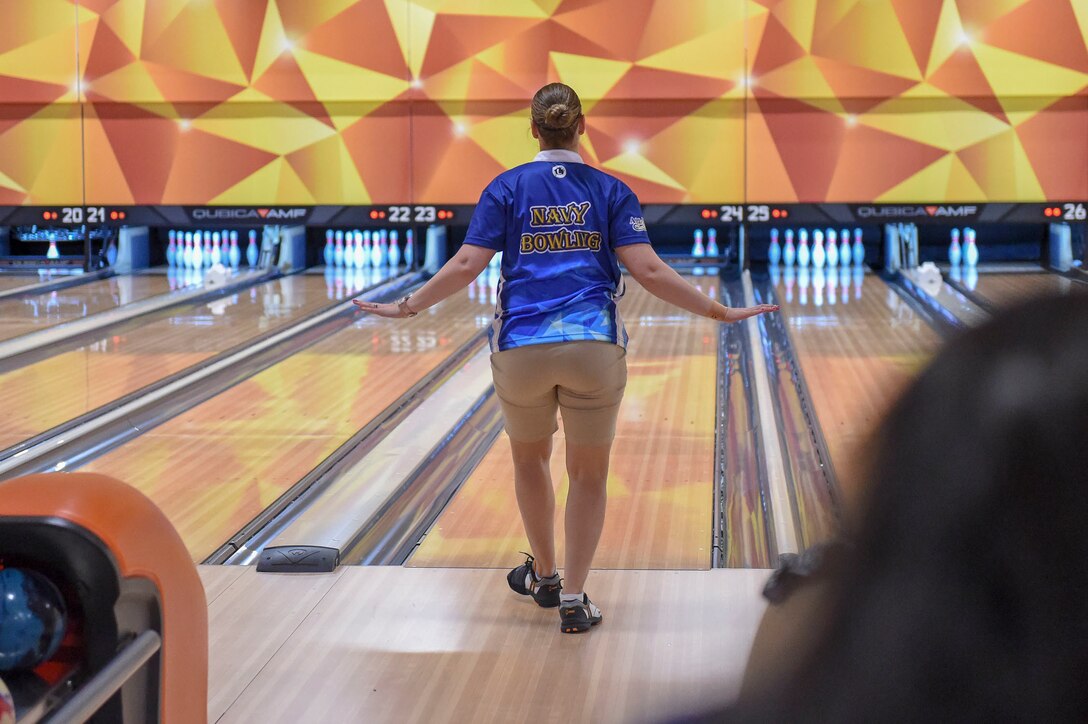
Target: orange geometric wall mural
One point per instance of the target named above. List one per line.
(380, 101)
(914, 100)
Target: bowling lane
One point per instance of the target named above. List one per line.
(1006, 290)
(856, 354)
(660, 486)
(20, 316)
(14, 281)
(215, 467)
(54, 390)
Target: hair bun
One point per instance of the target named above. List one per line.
(558, 116)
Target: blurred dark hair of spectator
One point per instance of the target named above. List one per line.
(964, 593)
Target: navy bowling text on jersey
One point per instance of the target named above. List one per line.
(557, 223)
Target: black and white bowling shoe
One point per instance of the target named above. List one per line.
(578, 616)
(545, 591)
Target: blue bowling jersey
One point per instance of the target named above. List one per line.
(557, 223)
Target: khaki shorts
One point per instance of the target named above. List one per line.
(583, 379)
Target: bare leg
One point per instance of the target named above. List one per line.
(587, 466)
(536, 500)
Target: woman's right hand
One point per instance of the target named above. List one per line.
(730, 315)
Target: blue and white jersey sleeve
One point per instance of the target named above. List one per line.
(488, 225)
(626, 223)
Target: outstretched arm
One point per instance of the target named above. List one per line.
(663, 282)
(455, 274)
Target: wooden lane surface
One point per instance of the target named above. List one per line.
(213, 468)
(21, 316)
(54, 390)
(14, 281)
(367, 644)
(1006, 290)
(660, 486)
(856, 358)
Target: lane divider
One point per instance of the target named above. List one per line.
(359, 495)
(31, 341)
(102, 433)
(778, 496)
(55, 285)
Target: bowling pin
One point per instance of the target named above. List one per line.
(190, 260)
(394, 249)
(338, 250)
(697, 249)
(350, 249)
(819, 255)
(970, 277)
(198, 250)
(172, 249)
(789, 253)
(409, 248)
(832, 248)
(859, 247)
(366, 248)
(803, 254)
(217, 254)
(712, 243)
(362, 255)
(235, 254)
(207, 248)
(252, 252)
(186, 254)
(356, 248)
(774, 253)
(376, 251)
(53, 253)
(970, 253)
(955, 253)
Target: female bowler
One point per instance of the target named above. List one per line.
(557, 340)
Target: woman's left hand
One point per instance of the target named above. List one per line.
(392, 311)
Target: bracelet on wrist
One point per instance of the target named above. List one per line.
(403, 306)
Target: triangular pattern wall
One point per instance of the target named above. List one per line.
(376, 101)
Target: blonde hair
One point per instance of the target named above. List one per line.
(555, 110)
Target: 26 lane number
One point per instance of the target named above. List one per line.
(1075, 212)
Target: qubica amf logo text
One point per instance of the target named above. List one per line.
(221, 214)
(914, 212)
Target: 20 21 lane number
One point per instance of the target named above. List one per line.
(79, 214)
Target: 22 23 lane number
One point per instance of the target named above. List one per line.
(409, 214)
